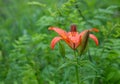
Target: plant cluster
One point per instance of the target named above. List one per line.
(25, 53)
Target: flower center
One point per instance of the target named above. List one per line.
(73, 28)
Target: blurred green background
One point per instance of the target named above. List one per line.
(25, 53)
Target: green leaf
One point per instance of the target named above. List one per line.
(66, 65)
(90, 77)
(110, 76)
(36, 3)
(112, 7)
(51, 82)
(87, 63)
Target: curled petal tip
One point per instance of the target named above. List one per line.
(54, 41)
(50, 28)
(95, 30)
(95, 39)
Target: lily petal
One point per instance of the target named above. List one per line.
(78, 39)
(94, 29)
(94, 38)
(54, 41)
(61, 32)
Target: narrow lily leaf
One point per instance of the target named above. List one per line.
(91, 77)
(61, 49)
(37, 3)
(87, 63)
(66, 65)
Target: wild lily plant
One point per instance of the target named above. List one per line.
(74, 40)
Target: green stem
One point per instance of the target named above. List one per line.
(90, 57)
(77, 68)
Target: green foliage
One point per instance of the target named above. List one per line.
(61, 49)
(24, 59)
(25, 54)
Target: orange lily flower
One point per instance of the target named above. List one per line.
(72, 38)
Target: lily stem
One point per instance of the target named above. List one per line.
(77, 68)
